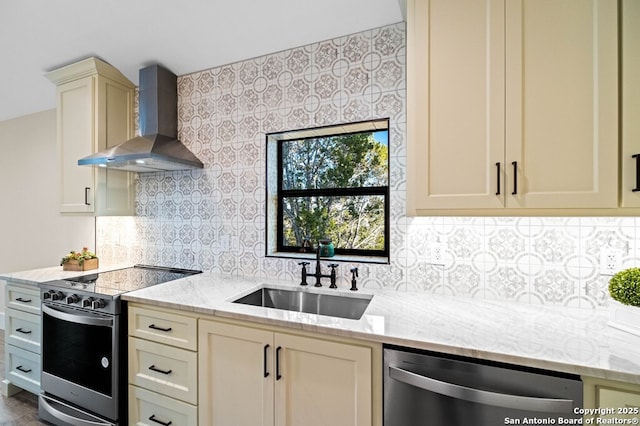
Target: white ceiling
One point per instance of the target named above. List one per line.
(185, 36)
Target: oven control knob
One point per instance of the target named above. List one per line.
(97, 304)
(46, 295)
(72, 299)
(57, 295)
(86, 303)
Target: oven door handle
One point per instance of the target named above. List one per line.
(76, 317)
(478, 396)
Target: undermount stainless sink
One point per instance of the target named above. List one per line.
(350, 307)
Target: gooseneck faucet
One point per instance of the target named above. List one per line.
(318, 273)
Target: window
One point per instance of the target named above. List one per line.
(330, 182)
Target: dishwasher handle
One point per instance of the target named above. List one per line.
(548, 405)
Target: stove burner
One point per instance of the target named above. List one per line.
(101, 291)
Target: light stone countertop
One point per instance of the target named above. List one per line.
(553, 338)
(574, 341)
(38, 276)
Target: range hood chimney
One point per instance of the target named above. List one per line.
(158, 149)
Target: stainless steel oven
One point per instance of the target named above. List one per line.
(81, 364)
(84, 345)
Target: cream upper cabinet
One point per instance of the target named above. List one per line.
(630, 102)
(94, 112)
(512, 104)
(254, 376)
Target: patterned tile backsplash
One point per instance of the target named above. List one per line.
(214, 219)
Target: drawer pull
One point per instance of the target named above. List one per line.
(24, 370)
(20, 330)
(20, 299)
(153, 419)
(155, 327)
(157, 370)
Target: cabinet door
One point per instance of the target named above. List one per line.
(455, 94)
(23, 298)
(562, 103)
(23, 330)
(152, 409)
(114, 193)
(76, 124)
(23, 369)
(625, 403)
(236, 375)
(164, 369)
(630, 92)
(322, 383)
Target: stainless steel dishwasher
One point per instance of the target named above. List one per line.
(429, 389)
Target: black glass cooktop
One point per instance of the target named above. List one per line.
(120, 281)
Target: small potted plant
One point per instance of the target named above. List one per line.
(624, 288)
(79, 261)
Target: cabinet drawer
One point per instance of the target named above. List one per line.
(23, 368)
(25, 299)
(151, 409)
(23, 330)
(164, 369)
(163, 327)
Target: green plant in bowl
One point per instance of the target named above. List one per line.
(624, 287)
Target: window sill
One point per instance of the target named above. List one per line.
(336, 258)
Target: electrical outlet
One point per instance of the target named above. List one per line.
(610, 260)
(437, 254)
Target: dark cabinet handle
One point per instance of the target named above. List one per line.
(637, 157)
(86, 196)
(265, 370)
(278, 375)
(515, 177)
(24, 370)
(157, 370)
(20, 330)
(498, 167)
(153, 419)
(155, 327)
(20, 299)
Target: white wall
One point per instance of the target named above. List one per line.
(33, 234)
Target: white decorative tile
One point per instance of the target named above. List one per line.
(213, 219)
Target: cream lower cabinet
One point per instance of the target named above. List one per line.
(615, 399)
(163, 367)
(23, 322)
(255, 376)
(511, 105)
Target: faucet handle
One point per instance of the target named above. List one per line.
(354, 275)
(333, 267)
(303, 281)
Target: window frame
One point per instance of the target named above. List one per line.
(281, 194)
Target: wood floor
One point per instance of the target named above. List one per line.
(20, 409)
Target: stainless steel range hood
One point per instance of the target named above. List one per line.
(158, 149)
